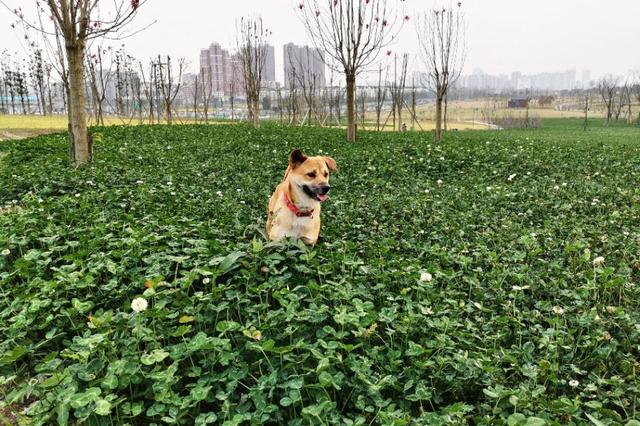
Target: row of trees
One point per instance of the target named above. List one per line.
(21, 79)
(618, 94)
(350, 34)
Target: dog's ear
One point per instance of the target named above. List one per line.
(331, 164)
(296, 158)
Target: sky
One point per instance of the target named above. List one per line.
(502, 35)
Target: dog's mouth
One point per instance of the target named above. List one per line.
(315, 195)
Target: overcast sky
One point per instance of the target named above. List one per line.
(503, 35)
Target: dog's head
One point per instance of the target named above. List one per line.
(311, 174)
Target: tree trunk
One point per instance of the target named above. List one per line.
(80, 150)
(438, 130)
(351, 113)
(255, 111)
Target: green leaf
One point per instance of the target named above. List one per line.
(490, 394)
(13, 355)
(83, 398)
(155, 356)
(594, 420)
(516, 419)
(103, 407)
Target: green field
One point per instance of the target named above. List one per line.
(492, 279)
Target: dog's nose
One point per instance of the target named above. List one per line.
(324, 189)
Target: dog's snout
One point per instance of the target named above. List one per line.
(324, 189)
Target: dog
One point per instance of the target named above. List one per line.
(294, 207)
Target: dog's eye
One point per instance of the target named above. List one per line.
(311, 175)
(326, 174)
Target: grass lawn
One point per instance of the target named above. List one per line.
(491, 279)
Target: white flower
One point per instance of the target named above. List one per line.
(6, 252)
(206, 280)
(139, 182)
(439, 181)
(139, 304)
(510, 178)
(219, 193)
(558, 310)
(426, 191)
(426, 277)
(489, 188)
(573, 383)
(556, 187)
(598, 261)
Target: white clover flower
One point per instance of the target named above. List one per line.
(6, 252)
(556, 187)
(206, 280)
(439, 181)
(598, 261)
(564, 183)
(559, 310)
(219, 193)
(426, 191)
(426, 277)
(510, 178)
(139, 182)
(489, 188)
(139, 304)
(574, 383)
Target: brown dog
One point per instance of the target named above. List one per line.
(294, 207)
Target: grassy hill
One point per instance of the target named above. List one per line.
(491, 279)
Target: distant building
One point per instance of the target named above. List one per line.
(269, 70)
(215, 68)
(478, 80)
(586, 79)
(518, 103)
(303, 61)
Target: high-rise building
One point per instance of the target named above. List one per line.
(224, 71)
(269, 70)
(214, 68)
(303, 61)
(586, 79)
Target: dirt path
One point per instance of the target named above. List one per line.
(24, 133)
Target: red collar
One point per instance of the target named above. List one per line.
(294, 209)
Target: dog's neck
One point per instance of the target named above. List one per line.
(301, 200)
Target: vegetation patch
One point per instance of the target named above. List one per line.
(491, 279)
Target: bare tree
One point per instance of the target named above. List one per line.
(397, 89)
(586, 106)
(308, 79)
(381, 94)
(607, 88)
(292, 94)
(351, 33)
(98, 78)
(441, 34)
(169, 84)
(252, 49)
(206, 91)
(76, 23)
